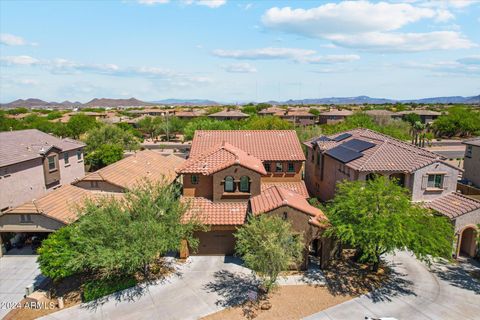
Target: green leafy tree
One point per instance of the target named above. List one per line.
(411, 118)
(103, 156)
(125, 237)
(315, 112)
(266, 123)
(58, 255)
(250, 109)
(110, 134)
(211, 110)
(80, 123)
(18, 110)
(205, 124)
(377, 217)
(268, 246)
(152, 126)
(460, 120)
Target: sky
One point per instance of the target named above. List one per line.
(238, 51)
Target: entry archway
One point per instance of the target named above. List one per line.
(468, 241)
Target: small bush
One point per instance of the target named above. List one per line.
(99, 288)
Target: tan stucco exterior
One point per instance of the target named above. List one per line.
(471, 166)
(39, 223)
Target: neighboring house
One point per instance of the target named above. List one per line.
(126, 173)
(59, 207)
(189, 114)
(228, 115)
(152, 112)
(233, 174)
(379, 113)
(334, 116)
(426, 116)
(272, 111)
(471, 163)
(464, 212)
(300, 117)
(33, 163)
(47, 213)
(359, 154)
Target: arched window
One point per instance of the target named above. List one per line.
(244, 184)
(229, 185)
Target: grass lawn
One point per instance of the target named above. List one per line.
(288, 302)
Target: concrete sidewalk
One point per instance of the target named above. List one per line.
(445, 292)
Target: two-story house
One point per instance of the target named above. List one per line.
(33, 163)
(361, 154)
(471, 162)
(230, 175)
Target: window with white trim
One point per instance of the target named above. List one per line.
(435, 181)
(52, 165)
(65, 157)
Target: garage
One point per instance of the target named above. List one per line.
(220, 242)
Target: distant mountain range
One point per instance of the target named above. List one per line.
(369, 100)
(104, 102)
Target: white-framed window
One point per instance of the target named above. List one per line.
(52, 164)
(278, 167)
(79, 155)
(435, 181)
(66, 157)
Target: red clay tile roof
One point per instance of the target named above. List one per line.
(266, 145)
(388, 154)
(127, 172)
(231, 114)
(218, 213)
(295, 186)
(453, 205)
(220, 157)
(61, 204)
(336, 112)
(276, 197)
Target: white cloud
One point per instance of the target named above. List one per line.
(350, 17)
(239, 68)
(64, 66)
(13, 40)
(19, 60)
(264, 53)
(449, 67)
(368, 26)
(333, 58)
(404, 42)
(153, 2)
(206, 3)
(454, 4)
(294, 54)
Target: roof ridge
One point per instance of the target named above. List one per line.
(463, 196)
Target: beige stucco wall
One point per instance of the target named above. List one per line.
(472, 167)
(74, 170)
(468, 219)
(204, 188)
(40, 223)
(420, 193)
(26, 182)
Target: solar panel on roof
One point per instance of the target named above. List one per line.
(358, 145)
(344, 155)
(343, 136)
(322, 139)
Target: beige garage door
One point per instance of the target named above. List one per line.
(216, 243)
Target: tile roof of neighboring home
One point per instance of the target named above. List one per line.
(266, 145)
(273, 110)
(453, 205)
(473, 142)
(387, 154)
(295, 186)
(420, 112)
(188, 114)
(231, 114)
(298, 113)
(218, 213)
(276, 197)
(336, 112)
(379, 112)
(220, 157)
(129, 171)
(23, 145)
(60, 204)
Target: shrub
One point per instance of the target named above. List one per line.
(98, 288)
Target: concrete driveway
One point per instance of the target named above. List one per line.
(444, 292)
(16, 273)
(201, 286)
